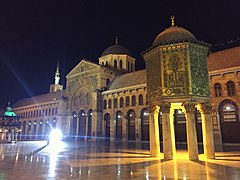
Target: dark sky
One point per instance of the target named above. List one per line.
(34, 34)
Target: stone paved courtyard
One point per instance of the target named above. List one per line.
(91, 160)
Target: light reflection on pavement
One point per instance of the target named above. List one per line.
(100, 160)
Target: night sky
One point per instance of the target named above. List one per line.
(35, 34)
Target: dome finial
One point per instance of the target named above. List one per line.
(172, 17)
(116, 40)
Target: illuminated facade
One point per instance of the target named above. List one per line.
(224, 72)
(10, 126)
(112, 100)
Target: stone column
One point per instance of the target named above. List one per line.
(77, 130)
(86, 127)
(191, 130)
(166, 131)
(207, 129)
(154, 131)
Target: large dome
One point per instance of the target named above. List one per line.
(116, 49)
(174, 34)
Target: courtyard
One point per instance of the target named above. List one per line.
(105, 160)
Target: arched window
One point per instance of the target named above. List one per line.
(107, 82)
(127, 101)
(115, 63)
(217, 89)
(109, 104)
(115, 103)
(120, 64)
(231, 88)
(102, 63)
(140, 99)
(106, 64)
(133, 100)
(105, 104)
(55, 110)
(121, 102)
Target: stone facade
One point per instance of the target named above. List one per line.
(224, 72)
(111, 100)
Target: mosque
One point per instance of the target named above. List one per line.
(185, 94)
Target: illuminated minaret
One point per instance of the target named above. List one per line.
(57, 74)
(56, 86)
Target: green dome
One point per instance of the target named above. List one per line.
(174, 34)
(9, 111)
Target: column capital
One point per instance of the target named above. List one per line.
(206, 108)
(189, 106)
(165, 107)
(153, 109)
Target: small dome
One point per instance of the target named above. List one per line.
(174, 34)
(116, 49)
(9, 111)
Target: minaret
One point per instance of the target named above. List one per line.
(57, 74)
(56, 86)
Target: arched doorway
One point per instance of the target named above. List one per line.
(40, 129)
(23, 130)
(119, 117)
(131, 125)
(145, 124)
(34, 134)
(107, 126)
(82, 124)
(229, 120)
(73, 130)
(47, 129)
(89, 128)
(54, 123)
(29, 130)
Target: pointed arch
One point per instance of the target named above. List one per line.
(145, 124)
(229, 120)
(119, 118)
(73, 128)
(121, 64)
(131, 116)
(115, 63)
(82, 124)
(107, 126)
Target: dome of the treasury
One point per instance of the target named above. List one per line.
(174, 34)
(116, 49)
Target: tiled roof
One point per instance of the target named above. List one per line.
(40, 99)
(128, 80)
(224, 59)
